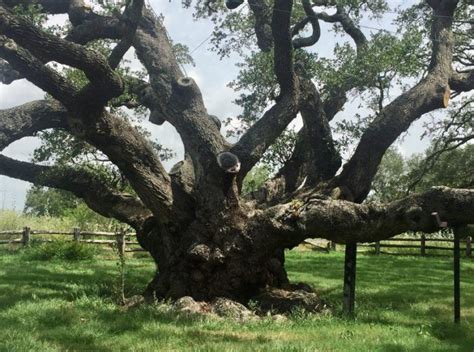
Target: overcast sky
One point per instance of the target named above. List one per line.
(211, 74)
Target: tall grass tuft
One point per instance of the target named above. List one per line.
(60, 250)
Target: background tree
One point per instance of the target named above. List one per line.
(207, 239)
(398, 176)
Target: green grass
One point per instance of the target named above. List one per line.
(403, 304)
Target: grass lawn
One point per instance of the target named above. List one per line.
(404, 303)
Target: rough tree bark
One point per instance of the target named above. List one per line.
(208, 240)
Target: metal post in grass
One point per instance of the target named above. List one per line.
(333, 246)
(76, 234)
(457, 283)
(350, 277)
(468, 246)
(458, 231)
(423, 245)
(377, 248)
(25, 237)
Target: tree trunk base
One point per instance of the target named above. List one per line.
(273, 301)
(289, 299)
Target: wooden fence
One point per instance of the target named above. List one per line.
(121, 239)
(124, 241)
(422, 244)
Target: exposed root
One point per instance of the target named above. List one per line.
(287, 300)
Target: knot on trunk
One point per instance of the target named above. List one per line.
(199, 252)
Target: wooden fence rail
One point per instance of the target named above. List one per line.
(422, 246)
(121, 238)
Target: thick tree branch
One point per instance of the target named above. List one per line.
(313, 20)
(7, 73)
(121, 142)
(283, 46)
(429, 94)
(133, 155)
(132, 14)
(263, 29)
(462, 81)
(338, 95)
(347, 24)
(287, 225)
(27, 119)
(253, 144)
(264, 132)
(36, 72)
(179, 99)
(99, 197)
(315, 157)
(48, 47)
(101, 27)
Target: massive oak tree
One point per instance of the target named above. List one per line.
(207, 238)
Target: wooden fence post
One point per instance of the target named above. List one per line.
(25, 238)
(377, 248)
(350, 277)
(121, 242)
(423, 245)
(468, 246)
(77, 234)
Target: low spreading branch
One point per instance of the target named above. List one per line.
(287, 225)
(98, 196)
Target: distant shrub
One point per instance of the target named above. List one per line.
(70, 251)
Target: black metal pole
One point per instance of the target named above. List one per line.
(350, 277)
(457, 276)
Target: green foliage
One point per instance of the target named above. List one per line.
(31, 12)
(182, 55)
(390, 181)
(255, 178)
(280, 151)
(397, 176)
(41, 201)
(49, 203)
(60, 250)
(453, 169)
(11, 220)
(85, 218)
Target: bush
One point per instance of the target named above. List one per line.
(61, 250)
